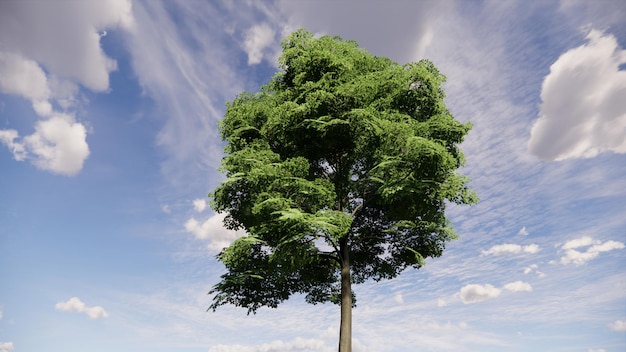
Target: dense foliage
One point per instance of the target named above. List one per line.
(342, 159)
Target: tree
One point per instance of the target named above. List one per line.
(339, 171)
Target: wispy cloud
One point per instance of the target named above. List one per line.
(508, 248)
(523, 231)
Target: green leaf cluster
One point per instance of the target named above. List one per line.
(340, 148)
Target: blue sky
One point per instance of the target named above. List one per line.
(108, 148)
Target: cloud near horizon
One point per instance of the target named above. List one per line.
(298, 344)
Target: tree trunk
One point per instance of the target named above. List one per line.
(345, 330)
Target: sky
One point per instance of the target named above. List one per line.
(109, 147)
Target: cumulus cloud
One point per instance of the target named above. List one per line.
(47, 49)
(477, 293)
(6, 346)
(583, 112)
(76, 305)
(298, 344)
(59, 144)
(22, 76)
(65, 36)
(594, 248)
(518, 286)
(212, 229)
(618, 325)
(474, 293)
(508, 248)
(199, 205)
(257, 39)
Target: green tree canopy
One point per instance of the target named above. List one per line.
(339, 171)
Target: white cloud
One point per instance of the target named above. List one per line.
(583, 112)
(257, 39)
(76, 305)
(199, 205)
(530, 268)
(579, 242)
(618, 325)
(22, 76)
(523, 231)
(408, 33)
(7, 137)
(508, 248)
(477, 293)
(298, 344)
(59, 145)
(63, 38)
(212, 229)
(595, 247)
(441, 302)
(398, 298)
(166, 209)
(518, 286)
(6, 346)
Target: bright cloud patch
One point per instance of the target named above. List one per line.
(6, 346)
(22, 76)
(258, 38)
(212, 229)
(594, 248)
(511, 249)
(518, 286)
(523, 231)
(583, 110)
(618, 325)
(298, 344)
(477, 293)
(59, 145)
(199, 205)
(66, 42)
(76, 305)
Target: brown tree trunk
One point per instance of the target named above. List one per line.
(345, 329)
